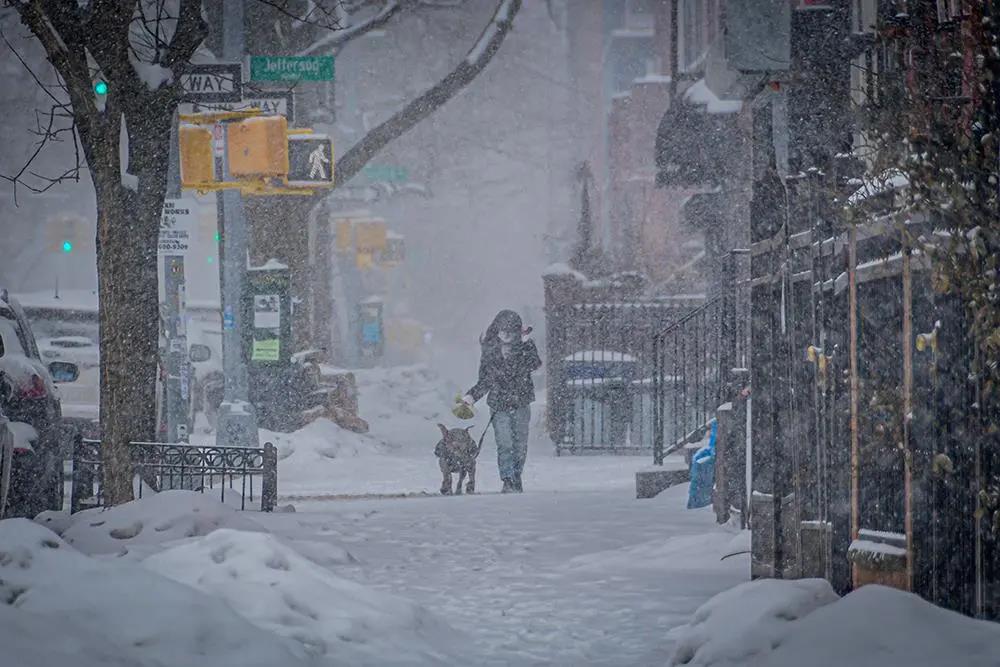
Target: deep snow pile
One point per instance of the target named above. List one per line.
(144, 526)
(772, 623)
(277, 589)
(62, 607)
(201, 584)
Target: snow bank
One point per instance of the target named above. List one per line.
(143, 526)
(402, 406)
(777, 623)
(66, 608)
(277, 589)
(888, 627)
(747, 622)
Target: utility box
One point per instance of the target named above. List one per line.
(268, 312)
(258, 147)
(197, 160)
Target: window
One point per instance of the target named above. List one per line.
(948, 10)
(864, 15)
(10, 341)
(691, 38)
(640, 14)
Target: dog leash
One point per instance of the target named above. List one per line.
(479, 448)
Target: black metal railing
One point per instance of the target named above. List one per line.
(693, 362)
(249, 473)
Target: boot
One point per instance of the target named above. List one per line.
(516, 484)
(508, 486)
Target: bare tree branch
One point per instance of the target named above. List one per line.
(423, 106)
(47, 132)
(341, 36)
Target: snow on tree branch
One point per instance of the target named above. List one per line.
(341, 34)
(423, 106)
(494, 33)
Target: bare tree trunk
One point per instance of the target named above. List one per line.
(127, 231)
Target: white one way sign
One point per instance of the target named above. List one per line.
(212, 83)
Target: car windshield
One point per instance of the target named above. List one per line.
(10, 342)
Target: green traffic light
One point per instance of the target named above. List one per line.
(67, 247)
(218, 237)
(101, 87)
(211, 260)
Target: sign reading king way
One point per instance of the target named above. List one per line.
(213, 83)
(270, 104)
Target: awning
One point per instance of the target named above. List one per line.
(698, 141)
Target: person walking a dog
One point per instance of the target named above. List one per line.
(508, 359)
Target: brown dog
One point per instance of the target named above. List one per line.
(457, 452)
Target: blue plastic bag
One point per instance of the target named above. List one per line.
(703, 472)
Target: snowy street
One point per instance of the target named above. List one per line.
(574, 578)
(501, 333)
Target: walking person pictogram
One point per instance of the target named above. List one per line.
(317, 162)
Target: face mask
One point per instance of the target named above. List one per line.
(505, 337)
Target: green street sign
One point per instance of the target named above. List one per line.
(385, 173)
(291, 68)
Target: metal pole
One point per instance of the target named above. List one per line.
(177, 383)
(237, 425)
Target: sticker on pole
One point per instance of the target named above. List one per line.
(176, 225)
(266, 350)
(310, 160)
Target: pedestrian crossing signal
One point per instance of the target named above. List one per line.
(310, 160)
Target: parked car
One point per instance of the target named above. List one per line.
(80, 398)
(67, 326)
(33, 407)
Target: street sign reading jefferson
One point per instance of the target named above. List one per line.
(291, 68)
(212, 83)
(310, 160)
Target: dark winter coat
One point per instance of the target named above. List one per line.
(507, 381)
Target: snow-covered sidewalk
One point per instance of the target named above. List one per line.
(575, 571)
(571, 578)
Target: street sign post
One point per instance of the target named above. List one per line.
(291, 68)
(179, 219)
(212, 83)
(310, 160)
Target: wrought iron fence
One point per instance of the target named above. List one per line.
(600, 373)
(248, 475)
